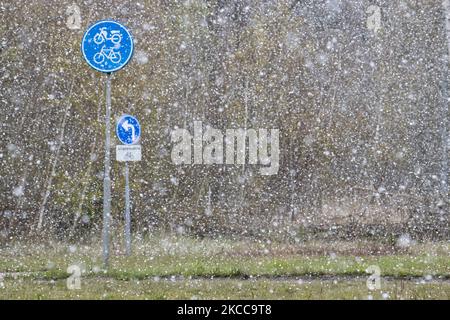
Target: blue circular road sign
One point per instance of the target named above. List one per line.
(107, 46)
(128, 129)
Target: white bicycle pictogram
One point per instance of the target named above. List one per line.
(107, 53)
(102, 36)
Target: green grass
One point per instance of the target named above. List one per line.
(216, 267)
(100, 288)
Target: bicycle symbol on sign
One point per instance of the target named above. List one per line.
(102, 36)
(129, 156)
(108, 53)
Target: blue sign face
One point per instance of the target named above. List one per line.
(107, 46)
(128, 129)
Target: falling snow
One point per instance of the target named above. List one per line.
(354, 94)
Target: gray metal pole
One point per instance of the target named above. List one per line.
(444, 109)
(106, 178)
(127, 212)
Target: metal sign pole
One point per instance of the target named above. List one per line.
(127, 212)
(107, 46)
(106, 178)
(128, 131)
